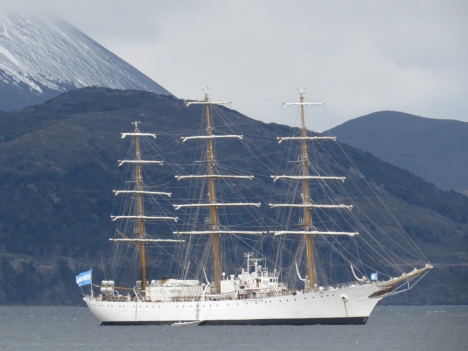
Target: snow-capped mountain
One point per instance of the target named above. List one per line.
(41, 58)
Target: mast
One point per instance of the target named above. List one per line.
(139, 214)
(141, 223)
(307, 205)
(213, 205)
(212, 197)
(306, 197)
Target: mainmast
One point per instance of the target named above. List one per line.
(213, 222)
(139, 216)
(213, 205)
(307, 204)
(306, 197)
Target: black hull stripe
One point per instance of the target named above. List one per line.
(305, 321)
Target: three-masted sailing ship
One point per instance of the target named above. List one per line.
(255, 295)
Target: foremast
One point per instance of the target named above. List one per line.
(213, 222)
(139, 232)
(307, 205)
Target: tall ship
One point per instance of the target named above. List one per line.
(261, 290)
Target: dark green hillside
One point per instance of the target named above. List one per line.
(58, 167)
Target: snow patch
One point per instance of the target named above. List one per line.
(9, 56)
(54, 54)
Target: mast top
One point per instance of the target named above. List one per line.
(205, 89)
(137, 132)
(207, 101)
(302, 103)
(301, 92)
(136, 125)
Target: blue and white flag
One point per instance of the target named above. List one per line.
(374, 276)
(84, 278)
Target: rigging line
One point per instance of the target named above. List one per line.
(387, 259)
(344, 257)
(362, 212)
(248, 148)
(388, 210)
(173, 117)
(359, 254)
(391, 239)
(318, 213)
(382, 268)
(255, 99)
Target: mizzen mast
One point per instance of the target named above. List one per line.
(309, 230)
(213, 205)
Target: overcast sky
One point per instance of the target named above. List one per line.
(356, 56)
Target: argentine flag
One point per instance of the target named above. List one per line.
(84, 278)
(374, 276)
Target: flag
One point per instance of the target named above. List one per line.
(84, 278)
(374, 276)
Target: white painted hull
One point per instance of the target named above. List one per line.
(327, 307)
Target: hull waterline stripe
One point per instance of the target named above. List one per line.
(305, 321)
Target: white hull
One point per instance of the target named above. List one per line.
(350, 305)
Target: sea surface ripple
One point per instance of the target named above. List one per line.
(389, 328)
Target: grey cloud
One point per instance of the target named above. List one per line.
(358, 57)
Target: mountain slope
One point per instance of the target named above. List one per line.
(433, 149)
(58, 167)
(41, 58)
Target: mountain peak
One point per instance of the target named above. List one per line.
(434, 149)
(43, 57)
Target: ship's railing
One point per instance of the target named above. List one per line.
(336, 286)
(242, 295)
(266, 274)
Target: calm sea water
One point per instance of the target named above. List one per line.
(388, 328)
